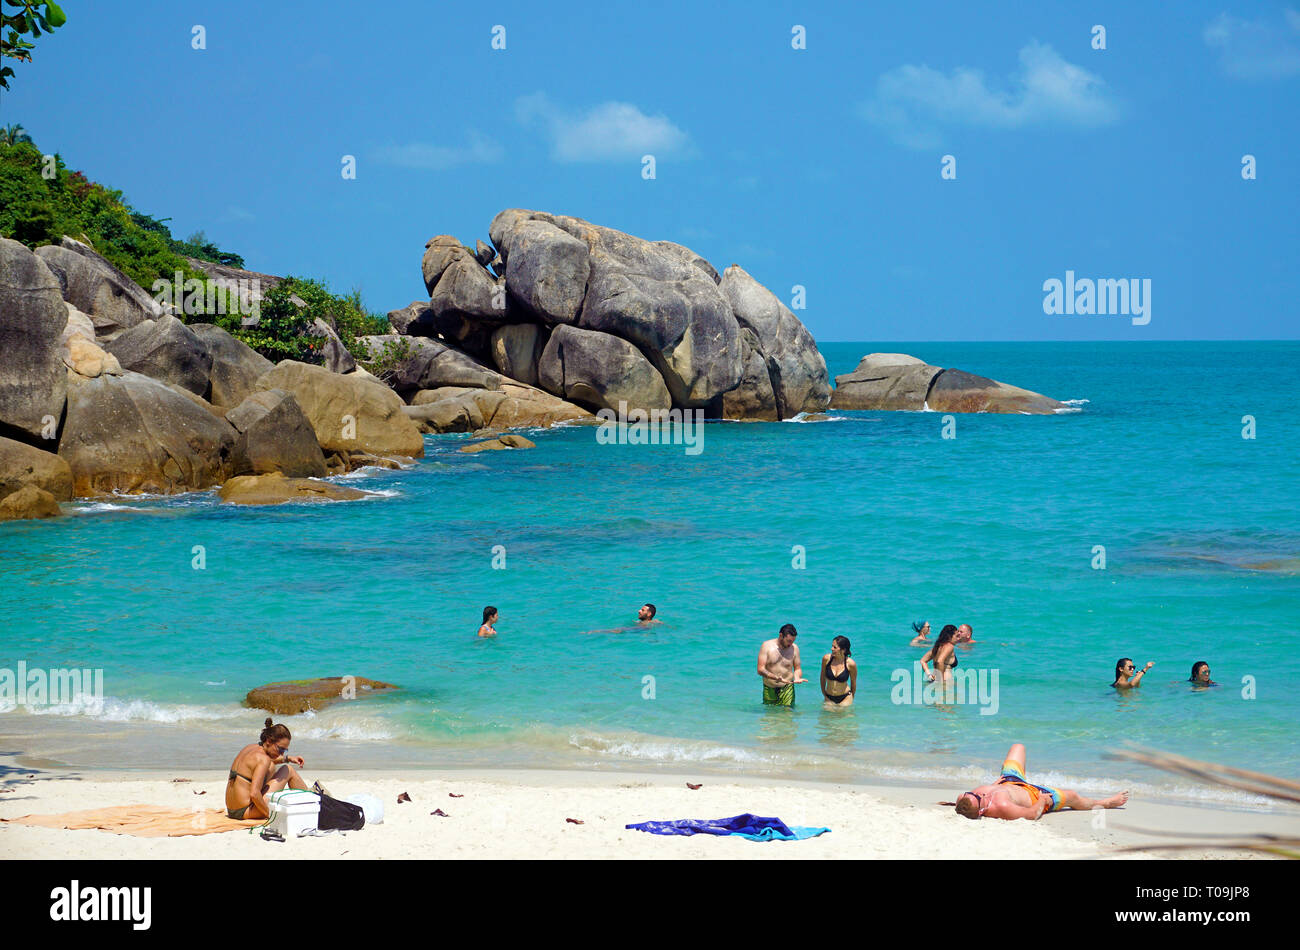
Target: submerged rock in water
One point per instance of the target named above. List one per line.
(505, 442)
(275, 488)
(298, 696)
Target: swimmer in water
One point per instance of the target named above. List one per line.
(1201, 675)
(1125, 678)
(922, 630)
(489, 628)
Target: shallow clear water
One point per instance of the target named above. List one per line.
(996, 527)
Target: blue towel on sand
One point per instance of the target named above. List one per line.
(746, 826)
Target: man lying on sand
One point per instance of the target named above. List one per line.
(1012, 796)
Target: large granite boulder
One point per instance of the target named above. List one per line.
(236, 366)
(899, 381)
(599, 370)
(274, 435)
(547, 271)
(753, 400)
(885, 381)
(517, 349)
(167, 350)
(28, 502)
(298, 696)
(799, 381)
(348, 413)
(652, 296)
(22, 465)
(957, 391)
(97, 288)
(130, 433)
(427, 364)
(33, 380)
(275, 489)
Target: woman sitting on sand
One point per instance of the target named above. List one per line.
(839, 687)
(488, 629)
(1201, 674)
(922, 630)
(1125, 678)
(942, 654)
(250, 781)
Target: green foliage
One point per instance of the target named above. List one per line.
(40, 201)
(384, 363)
(13, 135)
(283, 329)
(19, 18)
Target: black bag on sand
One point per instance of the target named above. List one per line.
(343, 816)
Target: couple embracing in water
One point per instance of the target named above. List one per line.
(781, 668)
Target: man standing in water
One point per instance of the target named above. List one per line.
(780, 667)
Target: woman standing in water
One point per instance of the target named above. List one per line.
(488, 627)
(1201, 674)
(943, 654)
(1125, 678)
(839, 686)
(922, 630)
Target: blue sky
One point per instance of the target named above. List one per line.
(818, 167)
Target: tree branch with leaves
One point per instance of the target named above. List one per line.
(22, 18)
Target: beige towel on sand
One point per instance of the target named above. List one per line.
(143, 821)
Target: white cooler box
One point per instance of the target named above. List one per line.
(293, 811)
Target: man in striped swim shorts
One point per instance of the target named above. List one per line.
(1014, 796)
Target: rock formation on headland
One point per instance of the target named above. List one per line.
(596, 317)
(105, 389)
(898, 381)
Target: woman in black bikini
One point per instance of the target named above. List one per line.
(250, 781)
(942, 654)
(839, 686)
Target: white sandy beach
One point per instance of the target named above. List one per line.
(521, 814)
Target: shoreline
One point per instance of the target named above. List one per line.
(193, 750)
(520, 813)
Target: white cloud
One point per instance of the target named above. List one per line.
(1255, 49)
(611, 131)
(915, 103)
(479, 149)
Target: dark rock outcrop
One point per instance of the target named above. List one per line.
(33, 379)
(274, 435)
(166, 350)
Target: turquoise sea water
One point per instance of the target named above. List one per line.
(996, 527)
